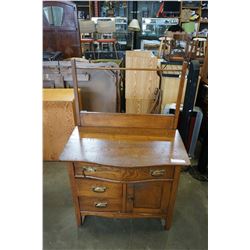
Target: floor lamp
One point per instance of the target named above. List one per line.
(133, 27)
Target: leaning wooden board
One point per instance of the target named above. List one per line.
(170, 87)
(140, 85)
(58, 121)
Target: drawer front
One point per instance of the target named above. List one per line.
(100, 204)
(84, 169)
(96, 188)
(147, 173)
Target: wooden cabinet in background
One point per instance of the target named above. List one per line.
(58, 121)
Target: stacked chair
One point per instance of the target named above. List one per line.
(87, 27)
(100, 34)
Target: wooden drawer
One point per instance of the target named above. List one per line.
(100, 204)
(147, 173)
(96, 188)
(86, 169)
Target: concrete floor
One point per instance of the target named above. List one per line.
(189, 229)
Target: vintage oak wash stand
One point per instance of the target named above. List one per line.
(125, 165)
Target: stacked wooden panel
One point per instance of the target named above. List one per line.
(140, 85)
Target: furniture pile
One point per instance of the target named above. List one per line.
(100, 88)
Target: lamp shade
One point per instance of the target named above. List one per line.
(134, 25)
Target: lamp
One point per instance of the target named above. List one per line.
(133, 26)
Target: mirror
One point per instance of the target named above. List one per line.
(54, 15)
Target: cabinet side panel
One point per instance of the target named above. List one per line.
(74, 192)
(174, 188)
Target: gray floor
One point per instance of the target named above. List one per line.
(189, 229)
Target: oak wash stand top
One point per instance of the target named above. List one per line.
(125, 165)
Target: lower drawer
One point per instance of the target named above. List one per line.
(100, 204)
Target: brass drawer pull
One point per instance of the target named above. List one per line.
(89, 169)
(99, 189)
(157, 172)
(101, 204)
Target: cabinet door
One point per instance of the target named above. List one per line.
(148, 197)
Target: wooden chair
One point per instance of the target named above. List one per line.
(178, 47)
(105, 30)
(87, 27)
(198, 49)
(164, 45)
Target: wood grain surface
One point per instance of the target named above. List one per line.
(58, 121)
(125, 153)
(85, 188)
(170, 87)
(140, 85)
(117, 120)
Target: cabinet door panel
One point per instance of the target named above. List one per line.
(148, 197)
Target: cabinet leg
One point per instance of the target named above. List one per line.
(167, 224)
(82, 219)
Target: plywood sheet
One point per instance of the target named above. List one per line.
(140, 85)
(138, 106)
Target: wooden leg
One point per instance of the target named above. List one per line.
(99, 48)
(167, 224)
(169, 217)
(160, 49)
(83, 219)
(93, 49)
(73, 190)
(115, 50)
(82, 47)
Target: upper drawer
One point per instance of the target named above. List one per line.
(147, 173)
(86, 169)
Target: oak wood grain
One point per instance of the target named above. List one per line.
(89, 204)
(125, 153)
(74, 193)
(140, 85)
(58, 121)
(169, 217)
(118, 133)
(124, 215)
(83, 169)
(85, 187)
(96, 119)
(145, 173)
(179, 97)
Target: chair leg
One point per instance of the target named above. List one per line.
(99, 48)
(160, 49)
(93, 49)
(115, 50)
(82, 48)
